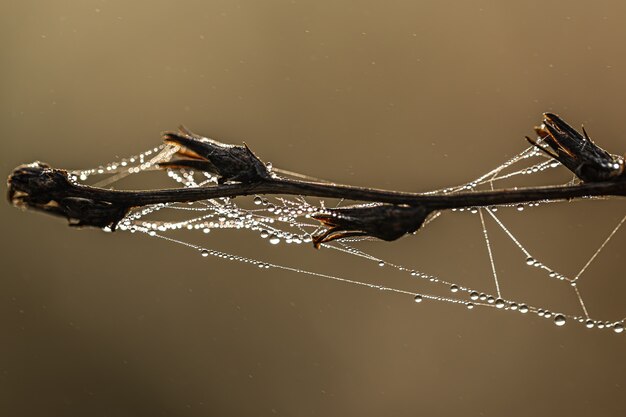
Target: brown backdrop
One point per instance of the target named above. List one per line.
(410, 95)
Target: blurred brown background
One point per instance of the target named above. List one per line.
(410, 95)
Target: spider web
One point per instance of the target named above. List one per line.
(286, 220)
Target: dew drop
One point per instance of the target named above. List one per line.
(418, 298)
(500, 303)
(491, 300)
(381, 263)
(618, 327)
(204, 253)
(474, 295)
(274, 240)
(589, 324)
(523, 309)
(559, 320)
(454, 288)
(258, 200)
(520, 207)
(469, 306)
(264, 234)
(530, 261)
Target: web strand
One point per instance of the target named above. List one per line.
(597, 252)
(491, 261)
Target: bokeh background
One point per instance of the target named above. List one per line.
(407, 95)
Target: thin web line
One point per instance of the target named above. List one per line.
(491, 261)
(600, 248)
(580, 300)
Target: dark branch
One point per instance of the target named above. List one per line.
(40, 187)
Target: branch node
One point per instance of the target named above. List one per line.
(232, 163)
(384, 221)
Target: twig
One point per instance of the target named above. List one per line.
(241, 172)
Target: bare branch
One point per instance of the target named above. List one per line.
(40, 187)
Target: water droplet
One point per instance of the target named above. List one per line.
(491, 300)
(258, 200)
(618, 327)
(206, 230)
(589, 324)
(204, 253)
(264, 234)
(523, 309)
(469, 306)
(500, 303)
(418, 298)
(559, 320)
(381, 263)
(530, 261)
(454, 288)
(274, 240)
(520, 207)
(474, 296)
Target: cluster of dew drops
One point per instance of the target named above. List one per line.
(296, 213)
(483, 299)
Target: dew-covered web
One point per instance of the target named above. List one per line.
(286, 220)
